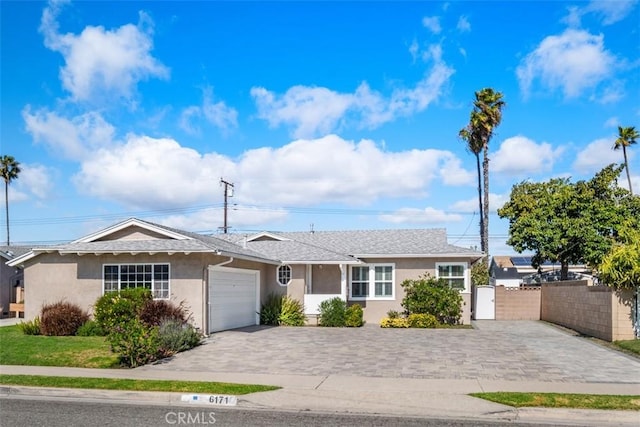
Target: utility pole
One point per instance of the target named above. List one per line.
(227, 194)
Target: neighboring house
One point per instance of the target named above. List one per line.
(513, 271)
(223, 279)
(10, 277)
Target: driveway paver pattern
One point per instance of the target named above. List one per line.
(494, 350)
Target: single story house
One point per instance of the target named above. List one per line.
(10, 280)
(223, 279)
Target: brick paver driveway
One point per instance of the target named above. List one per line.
(521, 350)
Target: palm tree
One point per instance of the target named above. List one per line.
(626, 138)
(485, 117)
(9, 169)
(475, 146)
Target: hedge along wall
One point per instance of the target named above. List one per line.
(597, 311)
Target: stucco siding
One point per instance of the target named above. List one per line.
(133, 233)
(52, 278)
(325, 279)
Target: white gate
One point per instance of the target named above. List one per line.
(485, 303)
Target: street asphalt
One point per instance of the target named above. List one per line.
(418, 373)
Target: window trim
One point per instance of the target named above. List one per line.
(153, 280)
(278, 270)
(465, 274)
(371, 286)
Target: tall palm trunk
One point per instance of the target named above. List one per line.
(485, 219)
(626, 167)
(480, 208)
(6, 205)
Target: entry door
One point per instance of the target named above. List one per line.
(485, 300)
(233, 298)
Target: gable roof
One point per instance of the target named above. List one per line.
(385, 243)
(176, 241)
(320, 247)
(348, 246)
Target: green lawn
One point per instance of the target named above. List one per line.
(563, 400)
(134, 385)
(37, 350)
(632, 346)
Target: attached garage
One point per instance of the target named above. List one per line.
(234, 298)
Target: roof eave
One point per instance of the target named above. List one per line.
(439, 255)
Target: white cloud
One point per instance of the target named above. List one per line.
(597, 155)
(216, 113)
(573, 62)
(608, 11)
(452, 172)
(612, 122)
(73, 138)
(432, 23)
(313, 111)
(520, 155)
(496, 201)
(159, 173)
(151, 173)
(100, 62)
(36, 179)
(420, 216)
(463, 26)
(208, 220)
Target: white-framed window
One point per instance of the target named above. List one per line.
(283, 275)
(454, 273)
(372, 281)
(360, 281)
(154, 277)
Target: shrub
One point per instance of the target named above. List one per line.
(354, 316)
(90, 328)
(32, 327)
(270, 310)
(332, 312)
(398, 322)
(422, 320)
(175, 336)
(154, 312)
(428, 295)
(393, 314)
(135, 342)
(61, 318)
(114, 308)
(291, 312)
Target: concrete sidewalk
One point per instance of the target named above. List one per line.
(436, 398)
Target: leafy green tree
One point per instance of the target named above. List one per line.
(620, 268)
(480, 273)
(569, 223)
(485, 117)
(9, 169)
(626, 137)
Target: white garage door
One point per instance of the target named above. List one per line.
(233, 298)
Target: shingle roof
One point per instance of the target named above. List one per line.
(383, 242)
(10, 252)
(291, 251)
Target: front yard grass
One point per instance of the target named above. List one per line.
(37, 350)
(128, 384)
(563, 400)
(632, 346)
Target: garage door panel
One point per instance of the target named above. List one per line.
(233, 296)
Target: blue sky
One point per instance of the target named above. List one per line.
(343, 115)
